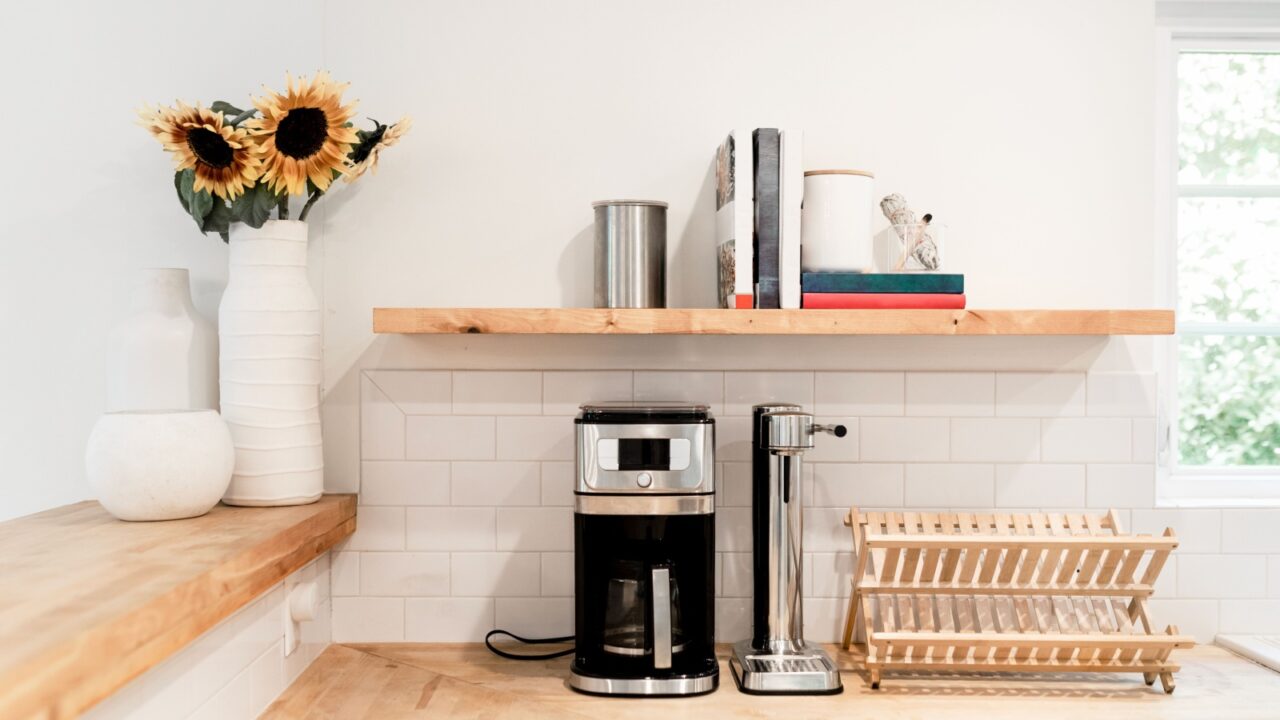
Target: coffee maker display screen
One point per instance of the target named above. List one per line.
(643, 453)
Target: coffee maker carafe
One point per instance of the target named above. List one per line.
(644, 550)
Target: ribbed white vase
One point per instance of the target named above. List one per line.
(269, 336)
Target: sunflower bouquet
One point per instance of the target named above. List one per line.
(237, 165)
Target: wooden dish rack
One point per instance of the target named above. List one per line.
(1043, 592)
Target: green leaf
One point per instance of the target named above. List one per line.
(184, 178)
(225, 108)
(217, 220)
(201, 204)
(254, 206)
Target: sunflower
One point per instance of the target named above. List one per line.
(304, 134)
(222, 156)
(365, 155)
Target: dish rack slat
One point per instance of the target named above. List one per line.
(1019, 592)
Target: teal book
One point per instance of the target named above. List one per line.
(851, 282)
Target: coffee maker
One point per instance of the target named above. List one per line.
(776, 659)
(644, 550)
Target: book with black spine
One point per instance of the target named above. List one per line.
(766, 152)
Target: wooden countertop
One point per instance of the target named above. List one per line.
(88, 602)
(409, 681)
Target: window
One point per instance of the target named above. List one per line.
(1225, 424)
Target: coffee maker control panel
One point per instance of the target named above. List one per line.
(640, 457)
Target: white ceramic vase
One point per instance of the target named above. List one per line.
(269, 333)
(159, 465)
(163, 355)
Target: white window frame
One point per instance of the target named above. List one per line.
(1199, 486)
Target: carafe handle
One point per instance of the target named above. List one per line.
(661, 618)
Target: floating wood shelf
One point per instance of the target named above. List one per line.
(590, 321)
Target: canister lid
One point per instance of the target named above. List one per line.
(654, 203)
(864, 173)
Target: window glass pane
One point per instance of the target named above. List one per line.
(1229, 118)
(1229, 259)
(1228, 400)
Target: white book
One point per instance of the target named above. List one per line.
(791, 195)
(735, 220)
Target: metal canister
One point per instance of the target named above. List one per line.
(631, 253)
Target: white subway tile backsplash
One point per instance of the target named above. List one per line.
(451, 528)
(995, 439)
(535, 616)
(368, 619)
(416, 392)
(404, 573)
(564, 392)
(1028, 394)
(951, 394)
(1130, 486)
(497, 483)
(736, 573)
(831, 574)
(949, 485)
(557, 574)
(734, 489)
(468, 477)
(1036, 485)
(451, 619)
(1251, 531)
(733, 619)
(1122, 394)
(449, 437)
(1249, 617)
(824, 530)
(382, 424)
(733, 530)
(742, 390)
(1222, 576)
(682, 386)
(344, 575)
(1197, 618)
(535, 438)
(861, 484)
(733, 439)
(378, 528)
(1098, 440)
(829, 448)
(559, 479)
(904, 439)
(496, 574)
(497, 393)
(1144, 440)
(1198, 531)
(535, 529)
(1273, 576)
(385, 482)
(862, 394)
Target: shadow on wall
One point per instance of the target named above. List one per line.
(691, 267)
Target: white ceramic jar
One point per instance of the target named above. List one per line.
(163, 355)
(836, 221)
(269, 330)
(159, 465)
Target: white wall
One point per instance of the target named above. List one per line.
(1023, 125)
(87, 197)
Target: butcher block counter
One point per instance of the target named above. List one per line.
(370, 682)
(88, 602)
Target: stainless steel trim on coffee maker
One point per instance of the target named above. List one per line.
(661, 585)
(644, 504)
(631, 253)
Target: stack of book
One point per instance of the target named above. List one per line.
(903, 291)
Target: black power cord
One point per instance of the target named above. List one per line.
(528, 641)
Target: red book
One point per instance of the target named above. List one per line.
(884, 301)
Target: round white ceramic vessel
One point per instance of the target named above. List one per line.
(159, 464)
(836, 221)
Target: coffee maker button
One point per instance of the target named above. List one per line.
(644, 479)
